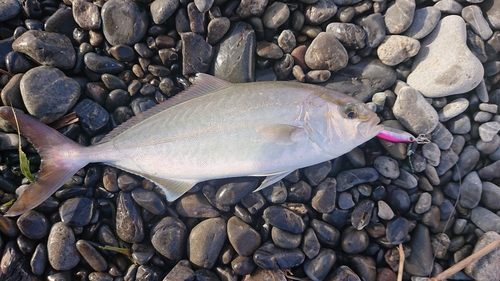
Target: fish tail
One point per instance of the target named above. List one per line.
(61, 159)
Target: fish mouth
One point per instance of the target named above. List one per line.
(370, 128)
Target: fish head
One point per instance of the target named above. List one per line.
(337, 123)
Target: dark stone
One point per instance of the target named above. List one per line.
(244, 239)
(273, 258)
(169, 237)
(123, 22)
(129, 225)
(101, 64)
(92, 117)
(77, 211)
(284, 218)
(205, 242)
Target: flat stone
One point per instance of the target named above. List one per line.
(466, 162)
(284, 218)
(206, 241)
(363, 79)
(424, 21)
(194, 43)
(348, 179)
(419, 262)
(61, 247)
(46, 48)
(318, 267)
(488, 130)
(453, 109)
(319, 12)
(473, 15)
(244, 238)
(169, 238)
(490, 196)
(38, 90)
(161, 10)
(449, 7)
(216, 29)
(399, 16)
(433, 75)
(123, 22)
(326, 52)
(249, 8)
(129, 225)
(93, 118)
(86, 14)
(491, 10)
(350, 35)
(273, 258)
(374, 26)
(487, 267)
(396, 49)
(275, 15)
(17, 62)
(234, 59)
(471, 193)
(485, 219)
(77, 211)
(9, 9)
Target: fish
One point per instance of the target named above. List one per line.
(212, 130)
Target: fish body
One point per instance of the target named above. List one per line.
(212, 130)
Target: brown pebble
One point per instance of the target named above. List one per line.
(298, 55)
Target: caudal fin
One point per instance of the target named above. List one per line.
(60, 156)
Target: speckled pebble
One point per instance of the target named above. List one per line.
(396, 49)
(326, 52)
(453, 109)
(488, 130)
(169, 237)
(61, 247)
(414, 112)
(387, 167)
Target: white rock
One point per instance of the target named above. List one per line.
(445, 65)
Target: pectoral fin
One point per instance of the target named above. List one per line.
(281, 133)
(272, 178)
(173, 188)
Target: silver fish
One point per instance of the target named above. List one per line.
(213, 130)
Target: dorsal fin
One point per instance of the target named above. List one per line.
(203, 84)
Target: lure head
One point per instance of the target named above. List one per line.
(338, 123)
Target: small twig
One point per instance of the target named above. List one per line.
(289, 275)
(66, 120)
(468, 260)
(6, 73)
(401, 262)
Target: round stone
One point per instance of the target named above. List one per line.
(396, 49)
(61, 247)
(414, 112)
(206, 241)
(326, 52)
(47, 93)
(123, 22)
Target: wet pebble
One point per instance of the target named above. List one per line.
(354, 241)
(284, 219)
(38, 86)
(93, 118)
(324, 196)
(326, 233)
(384, 210)
(161, 10)
(206, 241)
(101, 64)
(195, 206)
(275, 15)
(240, 42)
(86, 14)
(46, 48)
(271, 257)
(123, 22)
(61, 247)
(9, 9)
(343, 273)
(191, 43)
(216, 29)
(318, 267)
(181, 271)
(33, 225)
(285, 239)
(310, 244)
(350, 178)
(91, 255)
(129, 224)
(77, 211)
(244, 238)
(149, 200)
(320, 12)
(350, 35)
(317, 173)
(168, 237)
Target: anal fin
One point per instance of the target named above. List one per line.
(173, 188)
(273, 178)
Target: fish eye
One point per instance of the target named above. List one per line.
(350, 111)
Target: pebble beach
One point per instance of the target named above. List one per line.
(425, 67)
